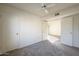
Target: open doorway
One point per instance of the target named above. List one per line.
(54, 30)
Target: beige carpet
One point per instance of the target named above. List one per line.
(45, 48)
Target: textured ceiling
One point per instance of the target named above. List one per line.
(36, 8)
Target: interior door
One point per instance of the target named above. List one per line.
(10, 32)
(76, 31)
(66, 31)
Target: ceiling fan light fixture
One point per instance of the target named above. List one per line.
(46, 11)
(44, 8)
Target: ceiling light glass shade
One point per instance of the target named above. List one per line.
(45, 10)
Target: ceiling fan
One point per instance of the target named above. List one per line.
(45, 7)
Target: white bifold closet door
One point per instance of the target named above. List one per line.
(76, 30)
(66, 31)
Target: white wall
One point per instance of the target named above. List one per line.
(30, 27)
(15, 21)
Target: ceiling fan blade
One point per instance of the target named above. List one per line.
(51, 5)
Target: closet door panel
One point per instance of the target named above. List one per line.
(66, 31)
(1, 35)
(76, 31)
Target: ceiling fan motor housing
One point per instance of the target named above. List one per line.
(44, 6)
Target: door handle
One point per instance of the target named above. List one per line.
(70, 32)
(17, 33)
